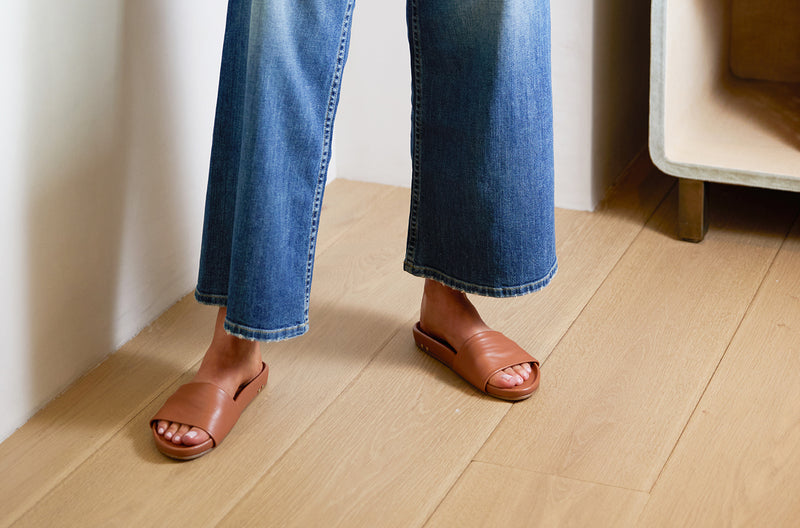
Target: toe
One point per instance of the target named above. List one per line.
(504, 380)
(516, 379)
(171, 430)
(522, 372)
(182, 430)
(195, 436)
(161, 427)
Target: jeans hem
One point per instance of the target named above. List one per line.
(478, 289)
(248, 332)
(210, 299)
(257, 334)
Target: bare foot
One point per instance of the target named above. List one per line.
(449, 315)
(229, 363)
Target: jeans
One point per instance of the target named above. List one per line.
(481, 217)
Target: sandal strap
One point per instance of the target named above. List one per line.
(202, 405)
(486, 353)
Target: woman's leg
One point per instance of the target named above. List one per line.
(482, 194)
(279, 87)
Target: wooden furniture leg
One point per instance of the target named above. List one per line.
(692, 209)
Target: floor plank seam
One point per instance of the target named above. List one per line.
(724, 353)
(458, 477)
(433, 511)
(544, 473)
(378, 350)
(533, 472)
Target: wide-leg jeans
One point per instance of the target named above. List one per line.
(481, 217)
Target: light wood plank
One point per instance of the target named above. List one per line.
(61, 436)
(738, 462)
(619, 388)
(488, 495)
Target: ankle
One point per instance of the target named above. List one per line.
(448, 314)
(230, 346)
(233, 352)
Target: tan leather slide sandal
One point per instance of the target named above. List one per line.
(208, 407)
(480, 357)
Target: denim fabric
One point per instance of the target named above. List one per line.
(482, 194)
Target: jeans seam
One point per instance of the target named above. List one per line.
(326, 149)
(416, 50)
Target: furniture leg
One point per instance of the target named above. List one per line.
(692, 210)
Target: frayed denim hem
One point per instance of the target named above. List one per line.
(210, 299)
(246, 332)
(477, 289)
(257, 334)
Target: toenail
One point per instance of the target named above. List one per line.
(190, 434)
(160, 430)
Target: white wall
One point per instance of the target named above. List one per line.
(600, 65)
(373, 122)
(106, 111)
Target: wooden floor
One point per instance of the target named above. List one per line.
(670, 393)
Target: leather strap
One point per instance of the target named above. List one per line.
(486, 353)
(202, 405)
